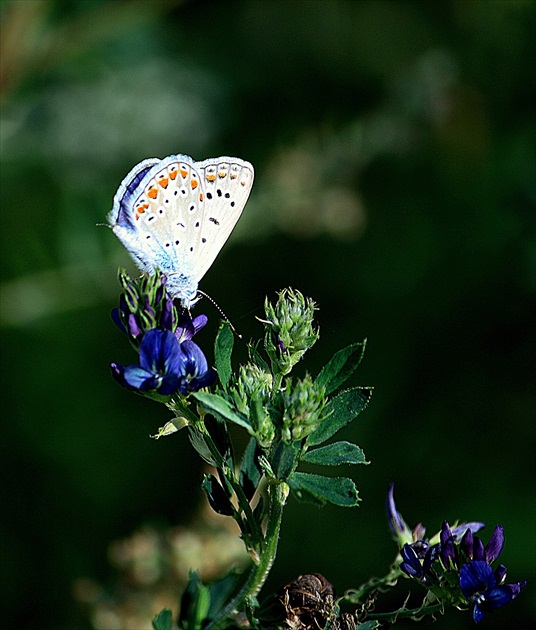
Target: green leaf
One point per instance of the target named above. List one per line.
(321, 490)
(284, 459)
(222, 590)
(199, 442)
(339, 412)
(220, 408)
(335, 454)
(218, 431)
(341, 366)
(223, 349)
(250, 471)
(217, 497)
(163, 621)
(195, 602)
(368, 625)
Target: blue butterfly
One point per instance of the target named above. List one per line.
(176, 214)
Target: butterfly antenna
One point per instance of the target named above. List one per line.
(220, 311)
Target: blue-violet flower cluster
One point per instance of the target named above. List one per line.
(454, 553)
(169, 361)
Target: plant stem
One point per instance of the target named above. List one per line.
(405, 613)
(242, 499)
(277, 496)
(359, 595)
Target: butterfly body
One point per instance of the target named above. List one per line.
(176, 214)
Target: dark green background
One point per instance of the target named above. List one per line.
(393, 144)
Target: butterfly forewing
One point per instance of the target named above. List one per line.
(226, 184)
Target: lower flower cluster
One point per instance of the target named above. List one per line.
(169, 361)
(457, 568)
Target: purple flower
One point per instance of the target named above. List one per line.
(418, 558)
(448, 551)
(483, 587)
(473, 547)
(144, 304)
(402, 533)
(195, 373)
(166, 366)
(187, 327)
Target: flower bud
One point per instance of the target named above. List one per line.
(303, 403)
(144, 305)
(250, 395)
(289, 330)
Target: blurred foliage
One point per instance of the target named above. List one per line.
(394, 147)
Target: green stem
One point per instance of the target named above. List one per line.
(278, 379)
(359, 595)
(405, 613)
(178, 407)
(242, 499)
(277, 496)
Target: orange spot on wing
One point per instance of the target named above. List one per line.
(194, 184)
(173, 174)
(211, 178)
(152, 193)
(164, 182)
(222, 174)
(200, 196)
(183, 173)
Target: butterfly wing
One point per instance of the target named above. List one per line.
(226, 186)
(176, 214)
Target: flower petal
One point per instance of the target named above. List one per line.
(496, 542)
(116, 317)
(517, 587)
(199, 322)
(166, 318)
(478, 614)
(203, 380)
(430, 558)
(134, 329)
(466, 544)
(170, 384)
(139, 378)
(461, 529)
(476, 577)
(396, 522)
(478, 549)
(195, 361)
(411, 564)
(498, 596)
(159, 352)
(500, 573)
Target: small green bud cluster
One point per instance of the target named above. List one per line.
(303, 403)
(251, 396)
(253, 384)
(289, 329)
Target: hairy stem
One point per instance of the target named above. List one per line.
(277, 496)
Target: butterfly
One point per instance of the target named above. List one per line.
(176, 214)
